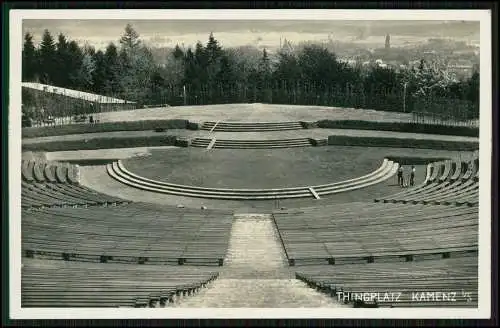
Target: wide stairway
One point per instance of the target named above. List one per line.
(251, 144)
(255, 273)
(250, 127)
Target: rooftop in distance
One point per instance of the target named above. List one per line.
(75, 93)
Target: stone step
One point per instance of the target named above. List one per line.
(221, 126)
(262, 142)
(244, 124)
(261, 147)
(255, 141)
(249, 127)
(250, 144)
(249, 130)
(198, 194)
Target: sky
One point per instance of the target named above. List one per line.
(267, 33)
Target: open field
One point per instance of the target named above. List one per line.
(254, 113)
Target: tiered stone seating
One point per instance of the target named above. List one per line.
(252, 144)
(27, 170)
(47, 184)
(118, 171)
(128, 234)
(250, 127)
(449, 282)
(74, 284)
(364, 232)
(449, 183)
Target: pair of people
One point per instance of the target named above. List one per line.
(401, 180)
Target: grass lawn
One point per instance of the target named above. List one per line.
(278, 168)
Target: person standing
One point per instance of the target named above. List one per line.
(412, 176)
(400, 176)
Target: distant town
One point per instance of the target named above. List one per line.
(457, 57)
(460, 58)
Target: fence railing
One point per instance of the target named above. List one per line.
(431, 110)
(442, 119)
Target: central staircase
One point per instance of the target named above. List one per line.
(252, 144)
(250, 127)
(255, 273)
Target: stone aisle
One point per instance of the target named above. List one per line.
(255, 273)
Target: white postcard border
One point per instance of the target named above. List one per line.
(16, 41)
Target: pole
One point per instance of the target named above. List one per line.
(184, 93)
(404, 97)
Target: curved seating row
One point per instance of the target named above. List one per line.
(44, 171)
(252, 144)
(448, 182)
(117, 171)
(47, 184)
(38, 195)
(372, 232)
(432, 283)
(250, 127)
(127, 234)
(70, 284)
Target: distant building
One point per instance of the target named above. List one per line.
(387, 41)
(461, 70)
(348, 61)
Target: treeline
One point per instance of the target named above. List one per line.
(210, 74)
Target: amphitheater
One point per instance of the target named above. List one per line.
(253, 208)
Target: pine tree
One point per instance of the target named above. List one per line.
(29, 64)
(264, 64)
(99, 75)
(178, 53)
(75, 59)
(112, 69)
(214, 53)
(213, 49)
(85, 73)
(200, 55)
(264, 81)
(61, 77)
(130, 39)
(47, 58)
(201, 64)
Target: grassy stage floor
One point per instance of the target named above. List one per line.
(277, 168)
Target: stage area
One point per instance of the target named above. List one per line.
(276, 168)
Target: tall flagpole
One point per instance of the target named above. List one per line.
(184, 93)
